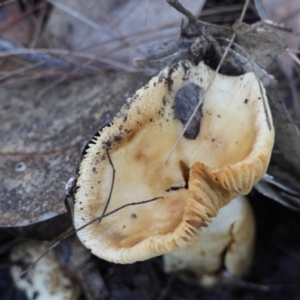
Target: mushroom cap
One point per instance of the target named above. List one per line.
(223, 157)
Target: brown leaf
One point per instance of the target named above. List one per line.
(121, 30)
(285, 11)
(40, 140)
(262, 45)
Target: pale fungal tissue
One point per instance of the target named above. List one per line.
(223, 153)
(46, 280)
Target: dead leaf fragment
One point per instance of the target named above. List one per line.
(40, 140)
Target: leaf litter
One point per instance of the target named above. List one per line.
(285, 153)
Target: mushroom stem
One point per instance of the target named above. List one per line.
(227, 241)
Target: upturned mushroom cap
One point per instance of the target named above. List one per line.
(222, 155)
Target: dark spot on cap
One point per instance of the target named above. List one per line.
(161, 111)
(246, 101)
(117, 138)
(94, 170)
(185, 67)
(108, 144)
(67, 287)
(168, 80)
(133, 216)
(164, 101)
(186, 100)
(219, 116)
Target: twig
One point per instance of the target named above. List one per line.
(259, 83)
(21, 70)
(279, 26)
(77, 15)
(38, 26)
(72, 231)
(293, 56)
(226, 276)
(121, 36)
(209, 85)
(125, 12)
(28, 77)
(67, 53)
(52, 85)
(20, 17)
(112, 184)
(178, 6)
(6, 2)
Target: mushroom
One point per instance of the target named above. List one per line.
(46, 280)
(224, 152)
(227, 242)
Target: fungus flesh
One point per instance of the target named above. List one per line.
(222, 155)
(46, 280)
(226, 243)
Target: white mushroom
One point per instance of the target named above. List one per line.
(222, 155)
(227, 242)
(46, 280)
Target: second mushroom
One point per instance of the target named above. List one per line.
(223, 153)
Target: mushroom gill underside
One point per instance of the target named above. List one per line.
(224, 153)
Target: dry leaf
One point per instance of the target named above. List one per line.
(121, 30)
(287, 12)
(40, 140)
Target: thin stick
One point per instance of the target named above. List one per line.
(52, 85)
(259, 83)
(279, 26)
(209, 85)
(21, 70)
(227, 276)
(112, 185)
(38, 26)
(67, 53)
(179, 7)
(77, 15)
(87, 224)
(6, 2)
(293, 56)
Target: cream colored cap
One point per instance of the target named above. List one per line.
(223, 155)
